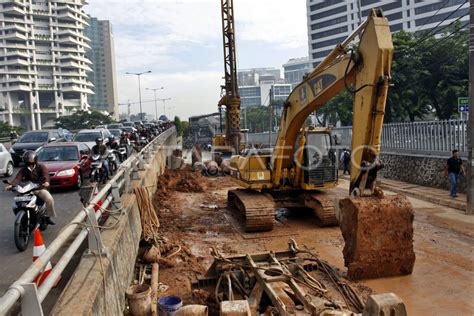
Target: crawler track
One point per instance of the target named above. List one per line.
(323, 206)
(257, 208)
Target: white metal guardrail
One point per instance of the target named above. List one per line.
(24, 288)
(424, 137)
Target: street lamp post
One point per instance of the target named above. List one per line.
(138, 74)
(156, 107)
(164, 104)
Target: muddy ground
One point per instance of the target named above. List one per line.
(193, 213)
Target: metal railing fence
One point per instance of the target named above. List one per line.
(436, 137)
(24, 288)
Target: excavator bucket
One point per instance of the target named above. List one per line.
(378, 235)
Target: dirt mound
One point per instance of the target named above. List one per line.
(183, 180)
(180, 180)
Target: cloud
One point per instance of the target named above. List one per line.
(191, 93)
(181, 42)
(282, 23)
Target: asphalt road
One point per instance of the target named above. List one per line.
(12, 262)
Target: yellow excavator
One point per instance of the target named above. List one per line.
(377, 229)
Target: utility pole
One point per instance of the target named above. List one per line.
(270, 108)
(164, 104)
(156, 106)
(470, 123)
(139, 74)
(245, 116)
(360, 11)
(128, 104)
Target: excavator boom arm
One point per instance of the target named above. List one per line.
(368, 70)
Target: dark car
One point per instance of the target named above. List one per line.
(115, 126)
(33, 140)
(129, 129)
(68, 163)
(88, 136)
(115, 133)
(128, 124)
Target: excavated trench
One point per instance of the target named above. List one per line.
(193, 214)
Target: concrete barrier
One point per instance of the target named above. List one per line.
(419, 169)
(99, 283)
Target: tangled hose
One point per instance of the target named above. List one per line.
(148, 217)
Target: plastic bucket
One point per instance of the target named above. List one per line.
(168, 305)
(139, 299)
(192, 310)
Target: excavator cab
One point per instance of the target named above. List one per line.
(319, 159)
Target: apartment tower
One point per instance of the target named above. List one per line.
(43, 66)
(103, 75)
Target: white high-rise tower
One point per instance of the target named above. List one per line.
(43, 68)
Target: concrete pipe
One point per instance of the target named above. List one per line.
(212, 168)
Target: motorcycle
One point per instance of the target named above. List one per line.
(30, 212)
(112, 157)
(133, 145)
(143, 141)
(97, 170)
(122, 153)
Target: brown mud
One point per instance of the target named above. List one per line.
(193, 213)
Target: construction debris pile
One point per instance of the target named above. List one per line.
(198, 261)
(280, 283)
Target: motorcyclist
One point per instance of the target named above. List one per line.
(145, 133)
(13, 136)
(37, 173)
(114, 144)
(100, 149)
(124, 140)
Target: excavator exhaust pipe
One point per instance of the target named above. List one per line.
(378, 235)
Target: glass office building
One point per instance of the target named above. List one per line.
(331, 21)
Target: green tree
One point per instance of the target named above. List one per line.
(258, 118)
(179, 126)
(6, 129)
(404, 98)
(428, 75)
(83, 120)
(338, 109)
(445, 71)
(184, 125)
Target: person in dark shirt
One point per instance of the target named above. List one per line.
(453, 168)
(345, 160)
(36, 173)
(100, 149)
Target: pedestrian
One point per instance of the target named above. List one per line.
(345, 160)
(453, 168)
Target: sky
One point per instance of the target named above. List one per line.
(180, 41)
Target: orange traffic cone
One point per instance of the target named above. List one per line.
(98, 205)
(38, 249)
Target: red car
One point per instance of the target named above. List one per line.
(68, 163)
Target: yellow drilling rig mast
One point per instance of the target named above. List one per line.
(230, 141)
